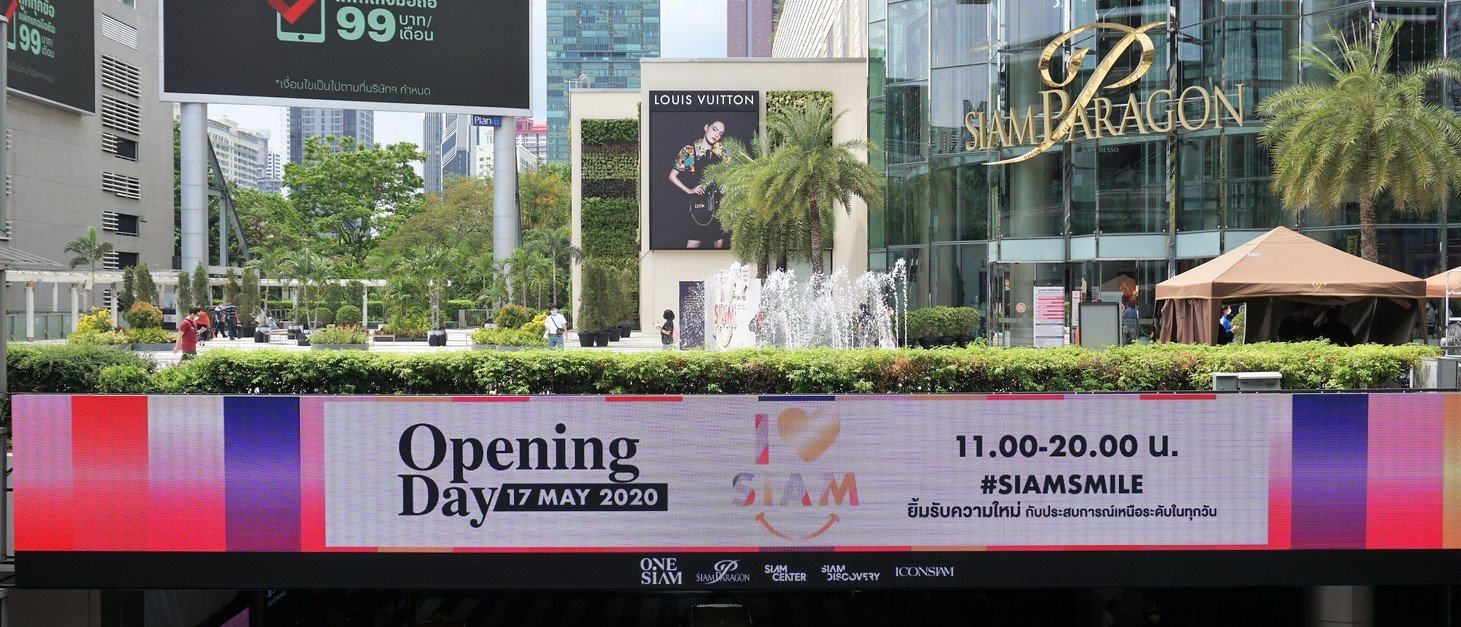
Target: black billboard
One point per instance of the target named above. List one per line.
(686, 129)
(455, 56)
(52, 51)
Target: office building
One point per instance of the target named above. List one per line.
(532, 136)
(458, 147)
(594, 44)
(305, 123)
(1101, 216)
(748, 27)
(431, 145)
(242, 154)
(821, 29)
(272, 181)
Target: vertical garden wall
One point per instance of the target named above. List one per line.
(609, 223)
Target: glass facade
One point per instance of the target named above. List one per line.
(1105, 215)
(594, 44)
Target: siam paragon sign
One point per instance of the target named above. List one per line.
(1087, 115)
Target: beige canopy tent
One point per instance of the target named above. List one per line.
(1435, 287)
(1282, 271)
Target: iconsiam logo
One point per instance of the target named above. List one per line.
(1089, 115)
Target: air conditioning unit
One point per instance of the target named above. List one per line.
(1247, 381)
(1438, 373)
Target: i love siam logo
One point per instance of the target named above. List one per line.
(795, 496)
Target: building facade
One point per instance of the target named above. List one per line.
(305, 123)
(1103, 215)
(594, 44)
(821, 29)
(431, 145)
(243, 155)
(532, 136)
(273, 177)
(458, 147)
(748, 27)
(113, 170)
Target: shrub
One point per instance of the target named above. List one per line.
(150, 336)
(523, 336)
(123, 380)
(338, 335)
(104, 338)
(324, 315)
(97, 320)
(64, 368)
(512, 316)
(452, 307)
(408, 325)
(942, 321)
(347, 314)
(248, 298)
(610, 227)
(143, 315)
(622, 130)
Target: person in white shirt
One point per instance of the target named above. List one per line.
(553, 327)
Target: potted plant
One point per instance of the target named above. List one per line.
(338, 338)
(597, 304)
(248, 303)
(144, 328)
(921, 327)
(507, 339)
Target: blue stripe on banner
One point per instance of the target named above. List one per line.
(1330, 470)
(261, 473)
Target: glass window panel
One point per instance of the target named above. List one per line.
(1199, 177)
(905, 105)
(908, 41)
(1261, 7)
(1341, 20)
(956, 92)
(1251, 203)
(973, 279)
(917, 267)
(1453, 48)
(1258, 55)
(1031, 202)
(960, 32)
(1134, 13)
(1083, 188)
(1131, 179)
(907, 205)
(877, 10)
(972, 200)
(877, 58)
(1030, 24)
(945, 272)
(1015, 284)
(945, 193)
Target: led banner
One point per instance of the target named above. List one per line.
(52, 51)
(616, 492)
(434, 56)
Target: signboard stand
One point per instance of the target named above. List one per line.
(193, 144)
(506, 232)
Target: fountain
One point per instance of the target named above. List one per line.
(785, 311)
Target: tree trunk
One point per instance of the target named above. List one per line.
(782, 263)
(815, 225)
(1368, 247)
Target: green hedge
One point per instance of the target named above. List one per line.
(779, 101)
(610, 166)
(622, 130)
(610, 228)
(1311, 365)
(64, 368)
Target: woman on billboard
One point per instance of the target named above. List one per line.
(705, 231)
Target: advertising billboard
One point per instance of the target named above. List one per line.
(736, 491)
(52, 51)
(686, 129)
(435, 56)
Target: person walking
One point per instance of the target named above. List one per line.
(187, 343)
(553, 328)
(230, 320)
(203, 323)
(667, 331)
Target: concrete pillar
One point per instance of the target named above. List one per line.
(75, 306)
(30, 311)
(193, 144)
(1340, 606)
(364, 306)
(55, 296)
(506, 226)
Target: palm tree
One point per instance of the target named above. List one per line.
(1368, 134)
(308, 268)
(557, 246)
(763, 231)
(88, 251)
(493, 275)
(812, 174)
(529, 268)
(433, 264)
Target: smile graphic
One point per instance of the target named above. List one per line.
(831, 520)
(291, 14)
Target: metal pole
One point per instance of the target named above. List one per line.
(4, 217)
(193, 144)
(222, 234)
(506, 233)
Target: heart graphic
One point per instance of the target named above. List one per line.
(10, 11)
(810, 434)
(291, 13)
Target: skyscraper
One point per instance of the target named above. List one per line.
(308, 122)
(458, 147)
(748, 27)
(598, 44)
(431, 144)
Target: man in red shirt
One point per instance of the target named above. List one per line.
(188, 335)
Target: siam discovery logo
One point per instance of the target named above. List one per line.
(789, 509)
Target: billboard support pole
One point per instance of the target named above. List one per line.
(506, 228)
(193, 144)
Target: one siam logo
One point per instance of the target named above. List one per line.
(725, 571)
(801, 511)
(660, 571)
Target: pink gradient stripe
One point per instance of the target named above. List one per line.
(185, 474)
(109, 466)
(1281, 482)
(43, 487)
(1407, 462)
(312, 474)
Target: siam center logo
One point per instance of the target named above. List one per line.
(796, 499)
(1085, 114)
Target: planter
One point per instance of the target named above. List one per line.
(946, 340)
(336, 347)
(925, 342)
(261, 336)
(152, 348)
(601, 339)
(436, 338)
(626, 331)
(613, 334)
(585, 340)
(303, 340)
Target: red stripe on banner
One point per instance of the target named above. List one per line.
(490, 399)
(109, 453)
(1178, 397)
(312, 475)
(644, 399)
(45, 512)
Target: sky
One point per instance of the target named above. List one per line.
(688, 28)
